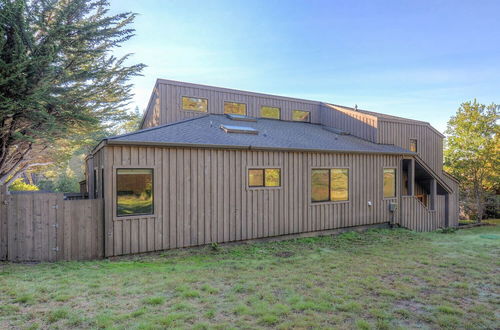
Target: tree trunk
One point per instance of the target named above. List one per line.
(479, 204)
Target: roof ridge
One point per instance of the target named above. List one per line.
(157, 127)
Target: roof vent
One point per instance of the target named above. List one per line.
(240, 117)
(238, 129)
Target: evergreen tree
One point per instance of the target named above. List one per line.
(58, 78)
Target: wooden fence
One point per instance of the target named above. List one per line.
(46, 227)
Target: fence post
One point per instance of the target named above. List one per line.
(3, 222)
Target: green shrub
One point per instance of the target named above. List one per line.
(20, 185)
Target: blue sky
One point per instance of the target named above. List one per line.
(416, 59)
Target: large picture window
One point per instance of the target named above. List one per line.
(330, 185)
(389, 182)
(134, 192)
(299, 115)
(270, 112)
(264, 177)
(194, 104)
(235, 108)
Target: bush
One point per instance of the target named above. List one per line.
(20, 185)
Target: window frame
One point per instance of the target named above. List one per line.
(396, 190)
(330, 201)
(224, 108)
(115, 195)
(416, 145)
(264, 187)
(193, 97)
(302, 121)
(268, 106)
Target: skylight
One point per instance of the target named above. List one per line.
(240, 117)
(238, 129)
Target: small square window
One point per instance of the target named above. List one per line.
(272, 177)
(299, 115)
(256, 178)
(264, 177)
(270, 112)
(413, 145)
(194, 104)
(235, 108)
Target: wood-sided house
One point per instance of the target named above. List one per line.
(213, 164)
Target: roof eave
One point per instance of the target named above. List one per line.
(250, 147)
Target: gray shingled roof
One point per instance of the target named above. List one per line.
(273, 134)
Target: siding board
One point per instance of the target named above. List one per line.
(209, 201)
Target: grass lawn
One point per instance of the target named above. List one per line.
(378, 279)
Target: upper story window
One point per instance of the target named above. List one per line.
(194, 104)
(235, 108)
(413, 145)
(299, 115)
(134, 191)
(264, 177)
(270, 112)
(389, 182)
(330, 185)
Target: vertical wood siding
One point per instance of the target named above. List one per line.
(454, 210)
(171, 102)
(354, 122)
(201, 196)
(153, 113)
(415, 216)
(430, 144)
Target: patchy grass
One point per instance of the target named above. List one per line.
(379, 279)
(492, 221)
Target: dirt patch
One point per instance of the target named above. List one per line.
(284, 254)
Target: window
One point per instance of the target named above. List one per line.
(389, 182)
(264, 177)
(339, 184)
(413, 145)
(299, 115)
(270, 112)
(235, 108)
(134, 192)
(194, 104)
(330, 185)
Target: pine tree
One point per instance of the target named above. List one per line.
(58, 76)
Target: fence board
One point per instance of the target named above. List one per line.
(45, 227)
(3, 222)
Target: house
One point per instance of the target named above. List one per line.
(214, 164)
